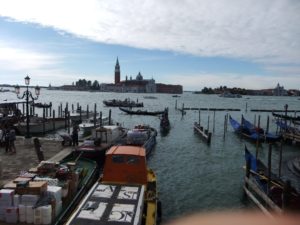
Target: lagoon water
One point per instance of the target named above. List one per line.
(192, 176)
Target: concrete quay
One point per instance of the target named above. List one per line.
(26, 157)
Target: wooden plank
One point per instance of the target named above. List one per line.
(62, 154)
(262, 195)
(256, 201)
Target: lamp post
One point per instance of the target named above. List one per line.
(27, 94)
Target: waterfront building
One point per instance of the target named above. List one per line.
(138, 85)
(279, 91)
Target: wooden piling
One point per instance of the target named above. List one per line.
(254, 122)
(72, 107)
(44, 129)
(53, 114)
(269, 168)
(61, 110)
(68, 116)
(268, 121)
(214, 121)
(224, 126)
(80, 114)
(100, 117)
(95, 114)
(50, 109)
(176, 104)
(208, 123)
(199, 119)
(258, 123)
(246, 106)
(182, 110)
(109, 117)
(87, 111)
(280, 158)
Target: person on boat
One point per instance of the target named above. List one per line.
(75, 135)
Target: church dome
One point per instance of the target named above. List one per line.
(139, 76)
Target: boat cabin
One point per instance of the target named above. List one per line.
(125, 164)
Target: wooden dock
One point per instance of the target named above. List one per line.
(202, 132)
(211, 109)
(274, 110)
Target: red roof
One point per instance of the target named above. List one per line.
(126, 150)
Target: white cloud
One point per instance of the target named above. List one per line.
(262, 30)
(18, 59)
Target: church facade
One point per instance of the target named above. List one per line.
(138, 85)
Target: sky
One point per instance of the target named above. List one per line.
(251, 44)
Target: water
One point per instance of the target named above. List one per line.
(192, 176)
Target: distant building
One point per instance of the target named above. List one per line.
(279, 91)
(138, 85)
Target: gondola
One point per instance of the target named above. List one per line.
(141, 112)
(120, 103)
(245, 131)
(278, 191)
(269, 137)
(286, 117)
(164, 122)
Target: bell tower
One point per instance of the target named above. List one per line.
(117, 72)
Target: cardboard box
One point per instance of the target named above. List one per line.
(11, 214)
(7, 197)
(34, 188)
(21, 179)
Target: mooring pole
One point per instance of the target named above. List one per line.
(53, 114)
(101, 119)
(214, 121)
(269, 168)
(208, 124)
(87, 111)
(268, 121)
(199, 119)
(109, 117)
(224, 126)
(44, 120)
(176, 104)
(280, 158)
(95, 114)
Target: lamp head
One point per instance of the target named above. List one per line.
(37, 90)
(17, 89)
(27, 80)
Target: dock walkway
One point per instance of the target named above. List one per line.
(26, 157)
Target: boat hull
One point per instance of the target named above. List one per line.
(41, 127)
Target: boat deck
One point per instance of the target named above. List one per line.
(113, 204)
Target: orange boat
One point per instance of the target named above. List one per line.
(125, 193)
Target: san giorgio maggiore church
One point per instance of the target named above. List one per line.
(138, 85)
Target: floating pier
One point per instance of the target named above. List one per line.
(211, 109)
(202, 132)
(273, 110)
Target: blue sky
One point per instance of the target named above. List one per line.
(249, 44)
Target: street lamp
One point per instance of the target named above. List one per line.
(28, 95)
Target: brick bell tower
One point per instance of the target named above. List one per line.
(117, 72)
